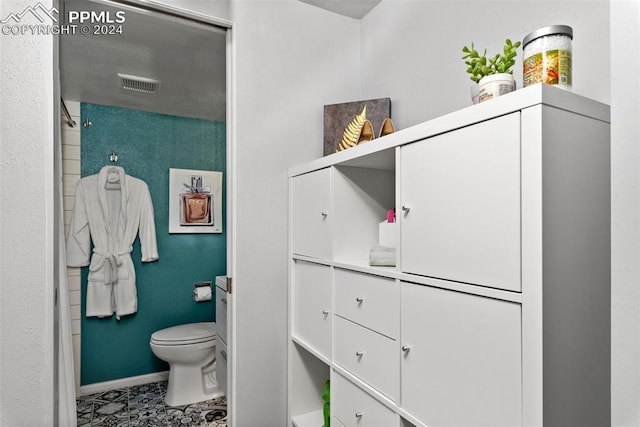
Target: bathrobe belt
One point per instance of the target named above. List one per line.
(114, 262)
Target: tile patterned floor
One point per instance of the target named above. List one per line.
(143, 405)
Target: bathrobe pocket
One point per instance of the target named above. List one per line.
(96, 269)
(126, 267)
(109, 268)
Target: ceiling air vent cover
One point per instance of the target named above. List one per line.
(138, 84)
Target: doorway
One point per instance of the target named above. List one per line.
(155, 62)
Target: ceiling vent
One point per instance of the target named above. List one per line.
(138, 84)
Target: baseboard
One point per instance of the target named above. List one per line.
(123, 382)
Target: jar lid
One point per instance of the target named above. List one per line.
(548, 31)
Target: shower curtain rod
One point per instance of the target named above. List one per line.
(70, 121)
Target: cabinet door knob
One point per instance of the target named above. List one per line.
(406, 348)
(359, 353)
(406, 209)
(325, 312)
(359, 414)
(359, 299)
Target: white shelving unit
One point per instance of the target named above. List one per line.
(504, 227)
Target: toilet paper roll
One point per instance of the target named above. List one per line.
(202, 293)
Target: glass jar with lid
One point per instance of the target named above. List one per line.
(547, 56)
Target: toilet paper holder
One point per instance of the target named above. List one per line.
(202, 291)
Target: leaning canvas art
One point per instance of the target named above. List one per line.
(339, 117)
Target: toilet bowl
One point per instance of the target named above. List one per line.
(190, 351)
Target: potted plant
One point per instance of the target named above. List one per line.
(493, 76)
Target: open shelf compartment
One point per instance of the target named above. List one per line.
(309, 378)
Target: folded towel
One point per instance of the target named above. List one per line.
(382, 256)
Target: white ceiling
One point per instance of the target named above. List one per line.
(188, 58)
(353, 8)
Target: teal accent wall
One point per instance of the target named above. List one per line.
(148, 145)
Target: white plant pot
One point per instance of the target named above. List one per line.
(495, 85)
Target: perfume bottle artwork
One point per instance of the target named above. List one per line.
(196, 204)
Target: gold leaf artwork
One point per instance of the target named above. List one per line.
(352, 132)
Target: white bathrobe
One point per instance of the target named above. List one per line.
(110, 209)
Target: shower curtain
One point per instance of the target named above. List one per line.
(66, 384)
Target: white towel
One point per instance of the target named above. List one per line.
(382, 256)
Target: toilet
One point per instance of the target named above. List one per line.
(190, 351)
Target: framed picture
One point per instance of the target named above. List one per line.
(195, 201)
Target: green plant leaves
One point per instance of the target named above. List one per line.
(479, 66)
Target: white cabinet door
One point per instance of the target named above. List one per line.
(221, 365)
(461, 362)
(462, 192)
(312, 214)
(312, 306)
(221, 313)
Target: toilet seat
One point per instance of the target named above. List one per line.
(192, 333)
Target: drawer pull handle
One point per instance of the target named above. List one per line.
(223, 300)
(406, 210)
(359, 353)
(359, 414)
(359, 300)
(325, 312)
(406, 348)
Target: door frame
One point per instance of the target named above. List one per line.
(200, 18)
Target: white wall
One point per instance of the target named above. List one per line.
(26, 226)
(412, 50)
(291, 60)
(625, 213)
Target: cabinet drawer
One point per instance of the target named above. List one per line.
(221, 313)
(369, 355)
(312, 306)
(355, 408)
(221, 365)
(369, 300)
